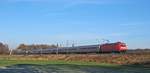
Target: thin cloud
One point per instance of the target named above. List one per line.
(80, 1)
(89, 36)
(134, 24)
(72, 1)
(117, 34)
(131, 24)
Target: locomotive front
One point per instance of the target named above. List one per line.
(113, 47)
(121, 47)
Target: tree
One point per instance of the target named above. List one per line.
(4, 49)
(37, 46)
(22, 47)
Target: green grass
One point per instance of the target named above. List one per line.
(48, 66)
(14, 62)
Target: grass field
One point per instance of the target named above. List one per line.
(136, 63)
(40, 62)
(29, 66)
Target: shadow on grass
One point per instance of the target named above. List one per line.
(139, 65)
(70, 68)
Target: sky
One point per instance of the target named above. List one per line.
(77, 21)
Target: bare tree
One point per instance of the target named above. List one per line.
(4, 49)
(33, 46)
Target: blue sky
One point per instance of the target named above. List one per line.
(79, 21)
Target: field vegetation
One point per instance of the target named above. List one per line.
(134, 61)
(76, 63)
(119, 59)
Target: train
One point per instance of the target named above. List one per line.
(116, 47)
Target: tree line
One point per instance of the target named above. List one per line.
(4, 48)
(35, 46)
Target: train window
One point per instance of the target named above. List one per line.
(123, 45)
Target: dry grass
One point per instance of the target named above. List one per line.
(121, 59)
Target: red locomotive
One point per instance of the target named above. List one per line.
(113, 47)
